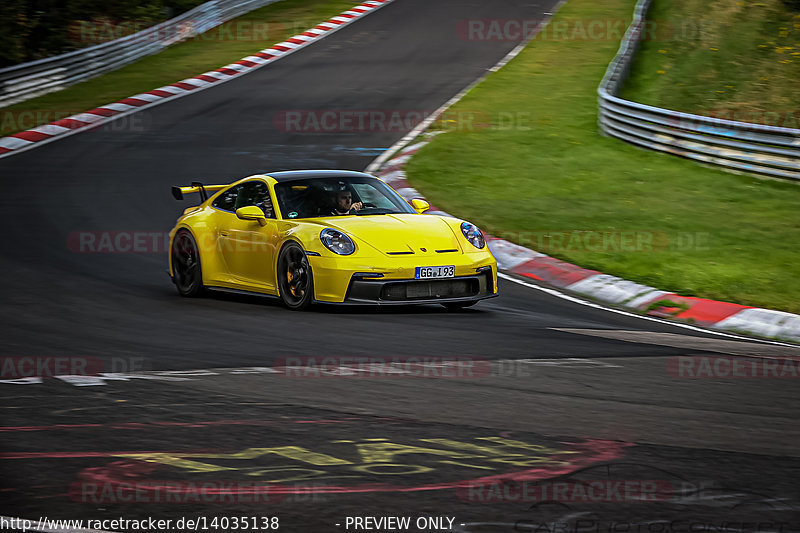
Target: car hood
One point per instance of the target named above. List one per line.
(400, 234)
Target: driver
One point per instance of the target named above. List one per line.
(343, 203)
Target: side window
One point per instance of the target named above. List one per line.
(255, 193)
(227, 200)
(250, 193)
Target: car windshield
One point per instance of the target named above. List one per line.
(338, 196)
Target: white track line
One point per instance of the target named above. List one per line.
(558, 294)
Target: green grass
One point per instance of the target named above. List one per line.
(190, 58)
(533, 165)
(742, 62)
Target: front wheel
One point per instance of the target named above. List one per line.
(295, 281)
(186, 272)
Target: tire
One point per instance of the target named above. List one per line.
(295, 279)
(187, 272)
(458, 306)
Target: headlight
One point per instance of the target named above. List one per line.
(337, 242)
(473, 235)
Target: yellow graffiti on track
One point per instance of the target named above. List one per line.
(369, 457)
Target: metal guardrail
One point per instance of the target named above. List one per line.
(737, 146)
(28, 80)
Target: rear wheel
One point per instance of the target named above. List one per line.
(186, 272)
(458, 306)
(295, 281)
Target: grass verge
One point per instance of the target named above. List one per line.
(528, 165)
(225, 44)
(743, 63)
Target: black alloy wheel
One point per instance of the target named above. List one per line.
(187, 275)
(295, 281)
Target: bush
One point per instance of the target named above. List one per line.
(793, 5)
(33, 29)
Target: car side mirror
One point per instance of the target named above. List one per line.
(420, 205)
(252, 212)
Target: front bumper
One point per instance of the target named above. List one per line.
(376, 280)
(414, 291)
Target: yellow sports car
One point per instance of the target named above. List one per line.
(327, 236)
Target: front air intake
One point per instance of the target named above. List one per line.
(430, 290)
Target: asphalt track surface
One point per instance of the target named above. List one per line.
(574, 392)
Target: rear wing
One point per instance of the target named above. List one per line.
(196, 186)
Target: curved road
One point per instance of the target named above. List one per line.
(588, 373)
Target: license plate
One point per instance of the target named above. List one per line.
(435, 272)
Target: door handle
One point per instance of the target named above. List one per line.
(223, 233)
